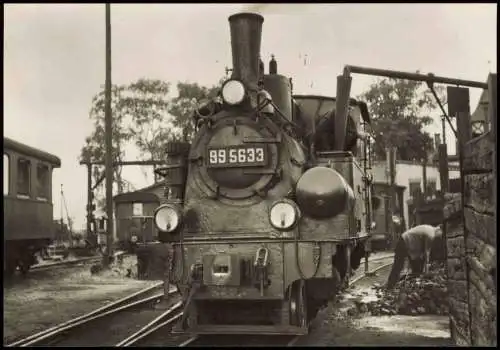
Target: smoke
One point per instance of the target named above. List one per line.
(256, 8)
(276, 9)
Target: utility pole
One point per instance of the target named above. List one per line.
(62, 222)
(90, 210)
(424, 172)
(109, 142)
(391, 157)
(443, 128)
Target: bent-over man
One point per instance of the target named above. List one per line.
(414, 244)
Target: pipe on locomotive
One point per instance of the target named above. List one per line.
(246, 34)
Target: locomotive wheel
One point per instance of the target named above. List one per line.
(24, 266)
(298, 304)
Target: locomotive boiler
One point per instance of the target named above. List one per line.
(267, 209)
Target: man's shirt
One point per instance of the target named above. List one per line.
(419, 239)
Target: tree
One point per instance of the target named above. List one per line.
(155, 118)
(182, 107)
(400, 110)
(94, 148)
(143, 115)
(145, 104)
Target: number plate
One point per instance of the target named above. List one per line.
(237, 156)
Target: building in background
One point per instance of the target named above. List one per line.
(409, 181)
(134, 215)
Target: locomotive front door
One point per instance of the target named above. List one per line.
(143, 227)
(147, 229)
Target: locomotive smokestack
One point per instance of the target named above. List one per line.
(246, 33)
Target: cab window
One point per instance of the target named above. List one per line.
(6, 176)
(23, 177)
(42, 176)
(137, 209)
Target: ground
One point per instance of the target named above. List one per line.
(338, 325)
(41, 301)
(47, 298)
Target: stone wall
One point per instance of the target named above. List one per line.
(471, 248)
(456, 269)
(480, 233)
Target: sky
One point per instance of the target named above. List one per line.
(54, 59)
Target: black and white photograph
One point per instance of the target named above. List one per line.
(261, 174)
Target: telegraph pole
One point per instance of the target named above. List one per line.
(109, 142)
(424, 172)
(443, 128)
(391, 157)
(62, 222)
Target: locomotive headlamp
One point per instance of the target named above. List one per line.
(134, 239)
(233, 92)
(396, 219)
(167, 218)
(284, 214)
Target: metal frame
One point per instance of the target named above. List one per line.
(431, 78)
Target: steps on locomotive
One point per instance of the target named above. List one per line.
(245, 330)
(241, 317)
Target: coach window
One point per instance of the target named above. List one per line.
(137, 209)
(23, 177)
(6, 174)
(42, 176)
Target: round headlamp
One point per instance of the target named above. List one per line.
(167, 218)
(396, 219)
(284, 214)
(134, 239)
(233, 92)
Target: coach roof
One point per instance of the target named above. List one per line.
(136, 196)
(9, 144)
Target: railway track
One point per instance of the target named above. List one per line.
(66, 334)
(288, 341)
(380, 263)
(39, 270)
(66, 263)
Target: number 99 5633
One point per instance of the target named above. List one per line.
(237, 156)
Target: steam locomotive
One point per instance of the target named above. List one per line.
(267, 209)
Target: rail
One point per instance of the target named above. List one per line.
(112, 308)
(65, 263)
(167, 318)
